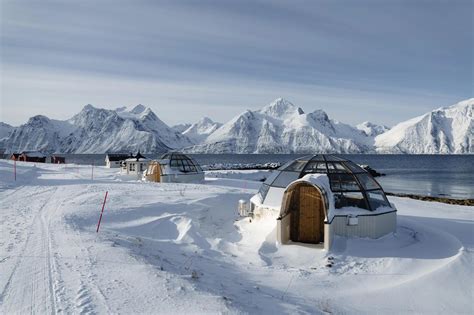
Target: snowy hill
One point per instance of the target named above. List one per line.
(282, 127)
(199, 131)
(445, 130)
(96, 130)
(371, 129)
(5, 130)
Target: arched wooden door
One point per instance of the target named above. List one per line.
(153, 172)
(307, 217)
(157, 172)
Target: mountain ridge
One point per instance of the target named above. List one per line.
(279, 127)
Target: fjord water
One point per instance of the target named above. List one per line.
(430, 175)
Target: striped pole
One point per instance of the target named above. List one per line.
(100, 218)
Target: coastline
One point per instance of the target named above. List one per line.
(451, 201)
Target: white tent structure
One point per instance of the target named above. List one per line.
(174, 167)
(316, 197)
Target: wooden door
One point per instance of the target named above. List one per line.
(157, 172)
(311, 215)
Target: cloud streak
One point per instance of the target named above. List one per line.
(236, 54)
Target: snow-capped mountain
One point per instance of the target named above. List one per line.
(371, 129)
(282, 127)
(5, 130)
(96, 130)
(39, 133)
(444, 130)
(199, 131)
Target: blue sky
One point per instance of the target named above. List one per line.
(383, 61)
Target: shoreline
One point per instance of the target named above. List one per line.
(451, 201)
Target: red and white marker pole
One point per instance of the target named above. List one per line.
(100, 218)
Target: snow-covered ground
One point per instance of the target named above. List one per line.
(181, 248)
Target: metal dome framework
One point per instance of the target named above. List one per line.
(352, 186)
(181, 162)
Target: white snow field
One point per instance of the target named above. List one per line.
(181, 248)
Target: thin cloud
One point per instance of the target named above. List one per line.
(371, 57)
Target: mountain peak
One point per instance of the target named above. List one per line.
(205, 120)
(280, 108)
(88, 107)
(138, 109)
(38, 119)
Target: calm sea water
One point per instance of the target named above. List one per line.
(432, 175)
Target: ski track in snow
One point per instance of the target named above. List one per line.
(31, 283)
(181, 248)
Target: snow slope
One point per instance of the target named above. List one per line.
(445, 130)
(96, 130)
(371, 129)
(180, 248)
(199, 131)
(39, 133)
(180, 127)
(282, 127)
(5, 130)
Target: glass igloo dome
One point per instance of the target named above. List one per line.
(352, 186)
(181, 162)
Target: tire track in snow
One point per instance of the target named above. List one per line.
(30, 287)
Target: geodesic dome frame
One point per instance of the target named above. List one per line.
(352, 186)
(181, 162)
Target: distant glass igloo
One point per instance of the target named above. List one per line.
(174, 167)
(317, 196)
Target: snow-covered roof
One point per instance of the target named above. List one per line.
(33, 154)
(137, 160)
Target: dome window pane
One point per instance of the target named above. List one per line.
(272, 177)
(377, 199)
(343, 182)
(285, 178)
(263, 190)
(350, 199)
(354, 167)
(296, 166)
(367, 182)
